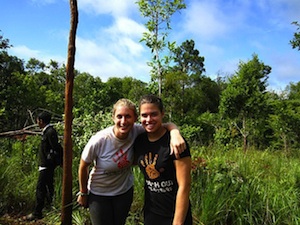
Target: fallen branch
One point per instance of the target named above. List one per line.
(19, 134)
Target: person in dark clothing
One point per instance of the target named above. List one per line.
(167, 178)
(45, 183)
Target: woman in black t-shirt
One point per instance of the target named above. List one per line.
(167, 179)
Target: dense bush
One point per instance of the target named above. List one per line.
(228, 187)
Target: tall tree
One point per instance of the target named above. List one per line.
(190, 65)
(159, 13)
(284, 120)
(187, 59)
(89, 94)
(243, 101)
(4, 42)
(50, 80)
(11, 89)
(295, 42)
(68, 154)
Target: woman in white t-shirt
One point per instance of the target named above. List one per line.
(108, 189)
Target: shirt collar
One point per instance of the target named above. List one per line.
(48, 125)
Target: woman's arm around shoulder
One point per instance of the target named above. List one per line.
(177, 143)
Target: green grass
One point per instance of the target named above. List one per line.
(257, 187)
(228, 187)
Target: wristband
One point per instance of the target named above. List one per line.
(82, 194)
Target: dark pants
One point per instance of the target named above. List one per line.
(110, 210)
(44, 190)
(153, 218)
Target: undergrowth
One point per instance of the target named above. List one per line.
(228, 187)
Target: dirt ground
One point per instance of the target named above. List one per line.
(15, 220)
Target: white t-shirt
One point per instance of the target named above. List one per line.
(112, 157)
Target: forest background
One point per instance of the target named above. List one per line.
(244, 139)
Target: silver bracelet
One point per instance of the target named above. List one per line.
(82, 194)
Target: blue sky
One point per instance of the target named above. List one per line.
(225, 32)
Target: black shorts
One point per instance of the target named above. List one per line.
(151, 218)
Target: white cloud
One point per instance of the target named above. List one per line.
(286, 67)
(101, 60)
(208, 20)
(114, 7)
(224, 32)
(124, 38)
(115, 50)
(127, 27)
(202, 20)
(286, 9)
(25, 53)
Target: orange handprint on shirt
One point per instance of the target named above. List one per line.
(150, 165)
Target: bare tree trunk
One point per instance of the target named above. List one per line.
(245, 135)
(245, 143)
(66, 216)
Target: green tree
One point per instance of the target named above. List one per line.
(188, 61)
(89, 95)
(50, 80)
(244, 100)
(284, 119)
(295, 42)
(293, 90)
(173, 96)
(125, 87)
(133, 89)
(284, 122)
(10, 90)
(23, 92)
(293, 111)
(34, 66)
(4, 42)
(186, 90)
(159, 13)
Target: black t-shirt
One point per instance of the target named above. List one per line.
(157, 165)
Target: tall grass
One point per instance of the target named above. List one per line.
(256, 187)
(228, 187)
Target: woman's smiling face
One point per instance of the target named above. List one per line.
(151, 117)
(124, 119)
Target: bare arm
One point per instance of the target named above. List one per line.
(177, 143)
(183, 175)
(83, 174)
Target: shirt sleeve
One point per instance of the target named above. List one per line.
(89, 152)
(185, 153)
(139, 128)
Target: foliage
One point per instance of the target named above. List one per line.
(18, 176)
(284, 123)
(253, 188)
(10, 87)
(187, 59)
(87, 125)
(295, 42)
(244, 99)
(159, 13)
(228, 187)
(23, 92)
(182, 79)
(4, 43)
(260, 186)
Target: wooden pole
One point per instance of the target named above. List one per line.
(66, 213)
